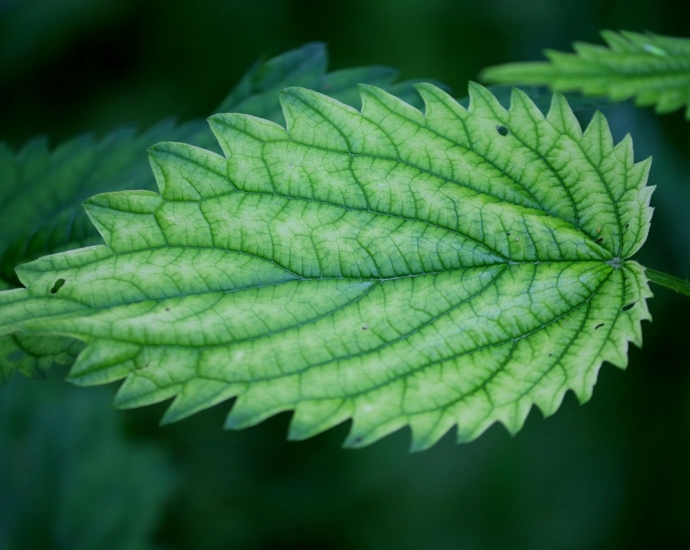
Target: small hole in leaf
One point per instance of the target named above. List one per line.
(502, 130)
(629, 306)
(16, 356)
(57, 286)
(599, 326)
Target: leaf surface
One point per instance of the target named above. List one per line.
(450, 268)
(652, 69)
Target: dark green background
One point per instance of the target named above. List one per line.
(75, 474)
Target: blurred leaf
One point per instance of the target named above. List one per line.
(395, 268)
(68, 477)
(652, 69)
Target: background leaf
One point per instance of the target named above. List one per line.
(52, 459)
(652, 69)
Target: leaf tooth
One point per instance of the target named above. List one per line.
(316, 416)
(316, 119)
(428, 428)
(562, 118)
(619, 42)
(199, 394)
(434, 98)
(549, 403)
(159, 373)
(521, 103)
(378, 104)
(639, 172)
(184, 172)
(140, 390)
(513, 417)
(624, 152)
(365, 433)
(483, 103)
(102, 362)
(260, 403)
(469, 432)
(443, 112)
(583, 387)
(126, 219)
(597, 140)
(670, 101)
(590, 52)
(229, 128)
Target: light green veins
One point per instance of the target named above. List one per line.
(395, 268)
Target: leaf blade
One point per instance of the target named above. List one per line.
(388, 266)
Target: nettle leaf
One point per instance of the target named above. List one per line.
(450, 268)
(652, 69)
(42, 190)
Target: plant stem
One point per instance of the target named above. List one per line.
(669, 281)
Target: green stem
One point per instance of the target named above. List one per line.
(669, 281)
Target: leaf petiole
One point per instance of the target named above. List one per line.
(669, 281)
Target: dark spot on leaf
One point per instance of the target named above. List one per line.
(629, 306)
(365, 327)
(550, 354)
(142, 368)
(627, 225)
(16, 356)
(57, 286)
(508, 233)
(167, 309)
(502, 130)
(599, 240)
(357, 440)
(599, 326)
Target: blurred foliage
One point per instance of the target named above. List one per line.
(611, 474)
(69, 477)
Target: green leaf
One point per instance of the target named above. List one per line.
(392, 267)
(652, 69)
(41, 191)
(58, 443)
